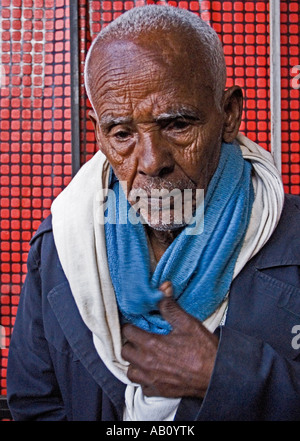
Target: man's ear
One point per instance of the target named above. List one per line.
(94, 120)
(233, 108)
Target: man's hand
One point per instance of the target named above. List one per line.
(175, 365)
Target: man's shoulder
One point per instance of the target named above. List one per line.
(292, 202)
(288, 225)
(45, 227)
(283, 248)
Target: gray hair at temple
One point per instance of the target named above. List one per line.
(149, 18)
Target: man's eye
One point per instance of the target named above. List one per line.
(122, 135)
(179, 125)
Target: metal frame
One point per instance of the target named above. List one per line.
(75, 86)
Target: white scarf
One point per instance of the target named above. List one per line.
(79, 236)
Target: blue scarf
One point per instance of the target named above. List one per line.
(200, 266)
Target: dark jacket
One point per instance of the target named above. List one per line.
(55, 373)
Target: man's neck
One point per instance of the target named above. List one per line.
(160, 240)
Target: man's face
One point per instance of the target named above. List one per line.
(157, 121)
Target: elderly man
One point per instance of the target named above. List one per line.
(130, 315)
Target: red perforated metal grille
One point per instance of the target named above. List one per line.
(35, 135)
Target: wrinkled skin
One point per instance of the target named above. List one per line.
(157, 122)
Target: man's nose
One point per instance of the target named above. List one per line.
(155, 158)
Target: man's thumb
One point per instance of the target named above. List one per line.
(169, 309)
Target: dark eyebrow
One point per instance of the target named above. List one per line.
(109, 121)
(183, 113)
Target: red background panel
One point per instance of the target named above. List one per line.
(35, 108)
(35, 147)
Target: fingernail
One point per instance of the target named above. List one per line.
(167, 289)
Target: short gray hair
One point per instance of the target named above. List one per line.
(140, 20)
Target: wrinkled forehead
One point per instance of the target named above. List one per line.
(123, 68)
(171, 45)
